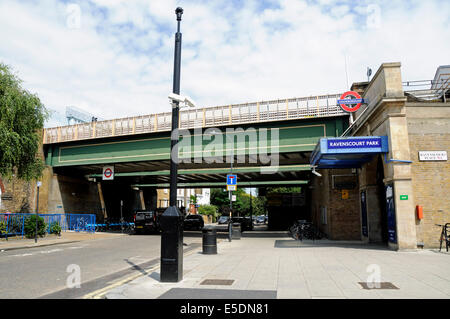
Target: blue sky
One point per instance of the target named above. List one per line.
(114, 58)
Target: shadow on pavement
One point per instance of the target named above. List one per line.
(326, 244)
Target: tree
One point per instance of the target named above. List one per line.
(259, 205)
(208, 210)
(220, 198)
(22, 117)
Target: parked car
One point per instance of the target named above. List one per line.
(260, 219)
(223, 220)
(193, 222)
(246, 222)
(146, 221)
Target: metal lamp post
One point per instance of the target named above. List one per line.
(230, 222)
(172, 218)
(37, 212)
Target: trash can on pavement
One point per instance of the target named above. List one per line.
(209, 241)
(236, 234)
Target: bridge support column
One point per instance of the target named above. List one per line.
(102, 201)
(141, 196)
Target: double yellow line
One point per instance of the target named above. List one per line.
(100, 293)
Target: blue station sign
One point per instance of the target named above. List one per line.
(349, 152)
(354, 143)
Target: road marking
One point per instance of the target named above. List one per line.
(76, 247)
(21, 255)
(98, 294)
(51, 251)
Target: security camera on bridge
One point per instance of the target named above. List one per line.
(186, 100)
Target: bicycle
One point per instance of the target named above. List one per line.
(305, 230)
(301, 229)
(126, 227)
(445, 236)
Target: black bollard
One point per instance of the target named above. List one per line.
(209, 241)
(171, 223)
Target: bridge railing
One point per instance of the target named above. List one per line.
(255, 112)
(428, 90)
(13, 224)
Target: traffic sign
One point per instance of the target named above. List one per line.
(231, 188)
(348, 104)
(231, 179)
(108, 173)
(233, 198)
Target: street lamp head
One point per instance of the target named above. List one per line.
(179, 12)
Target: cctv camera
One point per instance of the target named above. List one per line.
(189, 101)
(176, 97)
(182, 99)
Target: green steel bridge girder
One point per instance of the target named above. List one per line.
(215, 171)
(293, 136)
(222, 184)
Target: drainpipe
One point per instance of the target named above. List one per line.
(395, 160)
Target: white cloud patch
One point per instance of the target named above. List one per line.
(120, 61)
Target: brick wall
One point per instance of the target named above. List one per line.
(19, 196)
(343, 215)
(431, 180)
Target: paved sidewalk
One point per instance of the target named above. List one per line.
(266, 265)
(65, 238)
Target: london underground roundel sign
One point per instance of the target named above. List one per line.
(108, 173)
(350, 101)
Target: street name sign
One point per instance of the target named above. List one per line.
(432, 156)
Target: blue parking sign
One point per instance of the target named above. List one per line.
(231, 179)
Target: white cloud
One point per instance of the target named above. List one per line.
(120, 62)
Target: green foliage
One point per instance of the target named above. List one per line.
(242, 204)
(209, 210)
(30, 226)
(55, 228)
(15, 224)
(221, 199)
(22, 117)
(259, 205)
(193, 199)
(3, 227)
(271, 190)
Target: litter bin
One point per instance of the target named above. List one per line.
(236, 234)
(209, 241)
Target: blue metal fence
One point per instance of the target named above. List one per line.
(13, 224)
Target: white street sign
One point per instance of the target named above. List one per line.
(432, 155)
